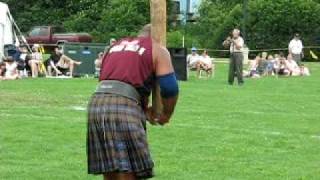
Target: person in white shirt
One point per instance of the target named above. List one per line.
(36, 59)
(296, 49)
(98, 63)
(205, 64)
(11, 72)
(193, 59)
(294, 69)
(236, 44)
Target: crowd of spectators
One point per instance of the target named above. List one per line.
(262, 65)
(24, 64)
(275, 65)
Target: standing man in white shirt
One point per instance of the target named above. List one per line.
(296, 49)
(236, 44)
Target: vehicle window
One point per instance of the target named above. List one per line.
(39, 31)
(44, 31)
(35, 32)
(58, 30)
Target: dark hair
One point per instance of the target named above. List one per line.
(8, 59)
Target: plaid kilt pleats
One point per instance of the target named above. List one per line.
(116, 137)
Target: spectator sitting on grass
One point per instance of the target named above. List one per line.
(11, 72)
(205, 64)
(262, 64)
(270, 65)
(292, 66)
(66, 62)
(52, 61)
(61, 63)
(304, 70)
(193, 59)
(252, 68)
(98, 63)
(276, 64)
(283, 69)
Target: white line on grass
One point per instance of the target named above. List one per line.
(316, 137)
(78, 108)
(249, 131)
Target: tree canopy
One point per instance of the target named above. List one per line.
(270, 23)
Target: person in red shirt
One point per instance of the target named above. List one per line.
(117, 112)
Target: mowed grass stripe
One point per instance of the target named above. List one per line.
(267, 129)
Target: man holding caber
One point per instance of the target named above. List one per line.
(118, 110)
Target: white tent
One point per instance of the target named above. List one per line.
(7, 35)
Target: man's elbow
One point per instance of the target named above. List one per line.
(169, 86)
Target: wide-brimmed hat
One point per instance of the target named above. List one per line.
(194, 49)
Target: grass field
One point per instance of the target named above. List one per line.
(267, 129)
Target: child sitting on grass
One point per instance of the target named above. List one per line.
(11, 72)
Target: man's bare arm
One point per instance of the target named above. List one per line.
(165, 73)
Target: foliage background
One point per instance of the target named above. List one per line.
(270, 23)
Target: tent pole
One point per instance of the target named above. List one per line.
(19, 31)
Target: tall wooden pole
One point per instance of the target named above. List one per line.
(158, 11)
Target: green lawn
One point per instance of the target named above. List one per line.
(267, 129)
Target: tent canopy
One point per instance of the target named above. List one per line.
(6, 28)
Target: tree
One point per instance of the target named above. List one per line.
(271, 23)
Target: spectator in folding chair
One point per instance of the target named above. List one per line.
(20, 58)
(36, 60)
(205, 64)
(22, 61)
(193, 59)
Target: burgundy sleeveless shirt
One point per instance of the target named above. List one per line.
(130, 60)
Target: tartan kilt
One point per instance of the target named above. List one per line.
(116, 137)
